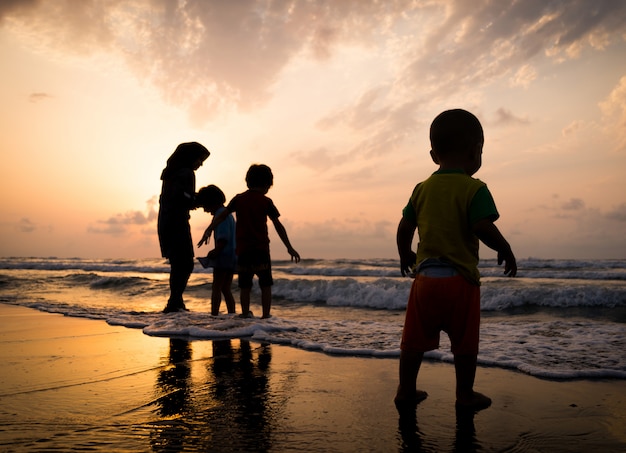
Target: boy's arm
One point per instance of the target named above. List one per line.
(282, 234)
(489, 234)
(215, 222)
(404, 239)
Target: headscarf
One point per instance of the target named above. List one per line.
(185, 155)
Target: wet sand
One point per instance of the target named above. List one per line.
(71, 384)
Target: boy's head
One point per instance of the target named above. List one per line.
(455, 132)
(210, 198)
(259, 176)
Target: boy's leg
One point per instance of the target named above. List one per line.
(219, 283)
(464, 337)
(266, 300)
(407, 395)
(227, 291)
(264, 272)
(244, 296)
(414, 339)
(466, 397)
(246, 274)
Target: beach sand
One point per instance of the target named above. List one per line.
(77, 384)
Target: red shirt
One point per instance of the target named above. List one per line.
(252, 209)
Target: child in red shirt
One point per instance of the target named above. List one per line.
(253, 208)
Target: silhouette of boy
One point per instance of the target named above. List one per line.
(451, 211)
(253, 208)
(222, 258)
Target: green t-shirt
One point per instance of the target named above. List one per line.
(445, 207)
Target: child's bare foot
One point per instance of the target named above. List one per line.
(476, 402)
(409, 402)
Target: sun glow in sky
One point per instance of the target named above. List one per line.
(335, 96)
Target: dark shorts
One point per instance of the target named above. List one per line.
(254, 263)
(437, 303)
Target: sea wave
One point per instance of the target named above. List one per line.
(383, 268)
(497, 293)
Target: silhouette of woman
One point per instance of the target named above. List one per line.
(178, 194)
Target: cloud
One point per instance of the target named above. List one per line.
(36, 97)
(574, 204)
(206, 56)
(618, 213)
(363, 115)
(523, 77)
(576, 224)
(214, 56)
(118, 224)
(25, 225)
(572, 128)
(614, 112)
(471, 44)
(319, 159)
(8, 7)
(506, 117)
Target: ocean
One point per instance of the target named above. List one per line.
(559, 319)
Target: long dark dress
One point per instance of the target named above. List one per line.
(178, 193)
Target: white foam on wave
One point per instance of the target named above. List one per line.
(359, 315)
(557, 349)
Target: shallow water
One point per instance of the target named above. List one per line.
(560, 319)
(70, 384)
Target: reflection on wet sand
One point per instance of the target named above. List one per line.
(229, 409)
(415, 440)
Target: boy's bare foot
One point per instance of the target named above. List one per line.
(266, 316)
(476, 402)
(409, 403)
(246, 315)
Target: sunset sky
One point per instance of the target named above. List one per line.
(335, 96)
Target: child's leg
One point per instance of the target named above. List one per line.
(266, 300)
(216, 293)
(244, 296)
(407, 393)
(466, 397)
(227, 292)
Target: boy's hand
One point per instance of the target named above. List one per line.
(487, 232)
(407, 262)
(205, 237)
(295, 256)
(510, 265)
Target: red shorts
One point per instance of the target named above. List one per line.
(451, 304)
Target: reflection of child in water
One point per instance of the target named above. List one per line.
(222, 258)
(451, 211)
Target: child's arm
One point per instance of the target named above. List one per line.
(404, 239)
(282, 234)
(489, 234)
(215, 222)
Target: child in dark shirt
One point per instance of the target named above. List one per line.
(253, 208)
